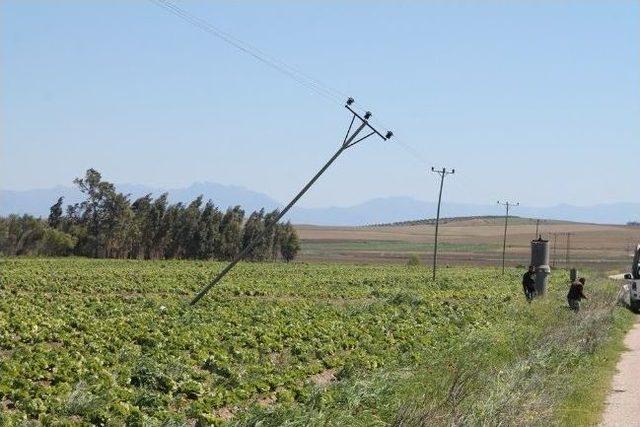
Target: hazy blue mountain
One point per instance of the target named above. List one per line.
(384, 210)
(375, 211)
(611, 213)
(38, 202)
(35, 202)
(223, 196)
(395, 209)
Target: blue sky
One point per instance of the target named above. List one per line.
(532, 101)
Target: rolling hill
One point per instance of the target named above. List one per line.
(375, 211)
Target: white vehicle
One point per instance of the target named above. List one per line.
(630, 292)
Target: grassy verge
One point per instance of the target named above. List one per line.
(544, 365)
(592, 381)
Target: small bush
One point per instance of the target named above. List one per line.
(83, 402)
(413, 261)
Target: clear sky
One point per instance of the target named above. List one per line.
(533, 101)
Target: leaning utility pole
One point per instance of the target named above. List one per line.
(348, 142)
(442, 172)
(507, 205)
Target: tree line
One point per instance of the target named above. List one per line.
(107, 224)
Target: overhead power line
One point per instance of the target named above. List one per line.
(292, 72)
(316, 86)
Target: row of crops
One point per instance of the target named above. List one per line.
(93, 341)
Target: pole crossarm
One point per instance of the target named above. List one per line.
(506, 203)
(443, 172)
(350, 140)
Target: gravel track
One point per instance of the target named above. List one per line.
(623, 403)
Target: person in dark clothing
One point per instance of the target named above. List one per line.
(576, 293)
(528, 283)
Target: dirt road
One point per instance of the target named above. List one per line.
(623, 403)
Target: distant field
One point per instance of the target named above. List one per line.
(322, 247)
(472, 241)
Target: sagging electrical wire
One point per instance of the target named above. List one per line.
(325, 91)
(280, 66)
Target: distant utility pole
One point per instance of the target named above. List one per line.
(568, 248)
(350, 139)
(442, 172)
(555, 249)
(507, 205)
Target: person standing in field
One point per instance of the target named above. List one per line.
(576, 293)
(528, 284)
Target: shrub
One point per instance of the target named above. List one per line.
(413, 261)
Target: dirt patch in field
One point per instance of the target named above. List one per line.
(7, 405)
(224, 413)
(265, 401)
(323, 378)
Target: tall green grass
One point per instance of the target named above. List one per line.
(546, 365)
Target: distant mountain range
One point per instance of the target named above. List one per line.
(396, 209)
(37, 202)
(374, 211)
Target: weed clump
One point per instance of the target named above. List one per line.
(413, 261)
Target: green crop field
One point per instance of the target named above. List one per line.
(112, 342)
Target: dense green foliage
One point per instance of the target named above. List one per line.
(108, 225)
(107, 341)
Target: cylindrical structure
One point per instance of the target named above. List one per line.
(540, 262)
(542, 278)
(573, 275)
(539, 252)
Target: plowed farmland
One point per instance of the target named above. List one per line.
(474, 241)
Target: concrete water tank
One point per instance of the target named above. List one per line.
(539, 252)
(540, 262)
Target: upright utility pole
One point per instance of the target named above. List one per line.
(348, 142)
(442, 172)
(555, 249)
(537, 227)
(507, 205)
